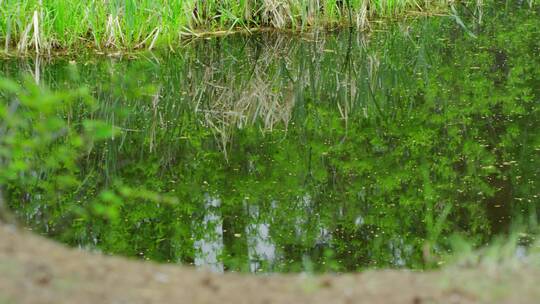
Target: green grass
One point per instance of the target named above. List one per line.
(42, 26)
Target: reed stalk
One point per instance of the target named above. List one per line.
(43, 25)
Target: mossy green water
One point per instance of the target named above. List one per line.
(333, 152)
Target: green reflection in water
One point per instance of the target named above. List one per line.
(327, 152)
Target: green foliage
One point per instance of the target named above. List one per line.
(41, 152)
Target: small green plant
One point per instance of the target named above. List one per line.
(40, 155)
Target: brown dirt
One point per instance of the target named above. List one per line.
(37, 270)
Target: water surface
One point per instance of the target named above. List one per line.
(319, 152)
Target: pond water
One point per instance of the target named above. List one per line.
(315, 152)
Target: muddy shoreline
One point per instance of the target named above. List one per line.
(37, 270)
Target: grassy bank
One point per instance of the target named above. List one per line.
(40, 26)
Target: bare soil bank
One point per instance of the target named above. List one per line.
(36, 270)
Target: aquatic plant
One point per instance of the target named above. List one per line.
(42, 26)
